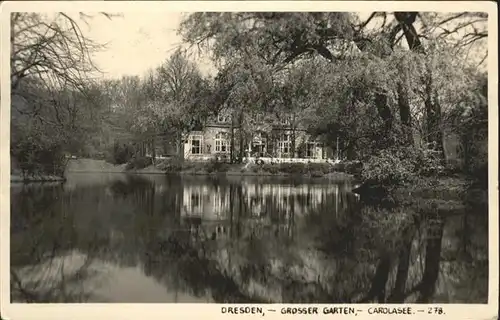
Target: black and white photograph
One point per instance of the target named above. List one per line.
(249, 156)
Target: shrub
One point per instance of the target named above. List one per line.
(402, 164)
(107, 156)
(317, 174)
(339, 167)
(313, 169)
(36, 153)
(174, 164)
(427, 162)
(453, 166)
(120, 154)
(292, 168)
(323, 168)
(388, 167)
(188, 165)
(139, 162)
(255, 169)
(216, 166)
(353, 167)
(271, 168)
(476, 160)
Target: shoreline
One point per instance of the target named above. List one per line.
(93, 166)
(39, 178)
(332, 176)
(329, 176)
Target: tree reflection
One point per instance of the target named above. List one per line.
(43, 241)
(252, 242)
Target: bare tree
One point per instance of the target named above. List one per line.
(53, 49)
(51, 81)
(183, 93)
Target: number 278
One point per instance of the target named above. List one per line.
(435, 310)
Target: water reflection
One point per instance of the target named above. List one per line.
(119, 238)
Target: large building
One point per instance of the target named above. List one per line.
(264, 137)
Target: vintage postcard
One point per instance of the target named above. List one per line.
(254, 159)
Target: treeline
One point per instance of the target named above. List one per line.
(53, 102)
(154, 111)
(394, 90)
(62, 108)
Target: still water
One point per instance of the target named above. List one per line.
(162, 239)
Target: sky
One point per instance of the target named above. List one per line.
(139, 41)
(135, 42)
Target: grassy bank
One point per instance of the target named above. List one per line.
(91, 165)
(313, 170)
(19, 178)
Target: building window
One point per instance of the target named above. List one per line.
(259, 118)
(220, 203)
(222, 142)
(195, 201)
(259, 144)
(222, 118)
(284, 144)
(259, 137)
(310, 148)
(196, 142)
(286, 120)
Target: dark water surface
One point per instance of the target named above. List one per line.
(126, 238)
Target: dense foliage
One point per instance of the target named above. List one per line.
(393, 95)
(369, 87)
(54, 105)
(380, 90)
(397, 165)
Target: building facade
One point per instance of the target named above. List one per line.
(263, 138)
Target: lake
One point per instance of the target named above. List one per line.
(171, 239)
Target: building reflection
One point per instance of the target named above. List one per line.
(223, 212)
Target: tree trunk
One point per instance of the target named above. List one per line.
(243, 148)
(432, 258)
(166, 142)
(405, 114)
(387, 118)
(153, 145)
(434, 129)
(240, 208)
(271, 144)
(466, 232)
(398, 294)
(231, 212)
(406, 20)
(180, 146)
(439, 135)
(231, 152)
(241, 140)
(384, 111)
(379, 280)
